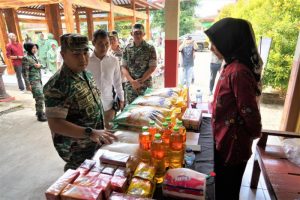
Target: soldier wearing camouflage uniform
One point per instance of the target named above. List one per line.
(32, 72)
(138, 63)
(73, 105)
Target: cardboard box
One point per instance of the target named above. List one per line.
(192, 119)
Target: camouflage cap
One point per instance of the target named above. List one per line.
(74, 42)
(138, 27)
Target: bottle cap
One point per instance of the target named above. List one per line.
(152, 123)
(157, 136)
(145, 128)
(165, 124)
(168, 119)
(176, 128)
(179, 122)
(188, 150)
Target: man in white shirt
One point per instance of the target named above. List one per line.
(107, 74)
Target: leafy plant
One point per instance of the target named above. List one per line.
(187, 20)
(279, 20)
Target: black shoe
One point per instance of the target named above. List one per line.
(41, 117)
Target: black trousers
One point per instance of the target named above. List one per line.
(228, 179)
(214, 68)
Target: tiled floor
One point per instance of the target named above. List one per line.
(261, 193)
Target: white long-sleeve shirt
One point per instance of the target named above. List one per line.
(106, 73)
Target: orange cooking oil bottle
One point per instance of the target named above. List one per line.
(152, 129)
(169, 121)
(165, 135)
(176, 149)
(145, 143)
(182, 129)
(157, 157)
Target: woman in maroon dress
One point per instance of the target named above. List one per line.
(236, 118)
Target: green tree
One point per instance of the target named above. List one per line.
(278, 20)
(187, 19)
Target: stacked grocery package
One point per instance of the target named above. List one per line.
(155, 105)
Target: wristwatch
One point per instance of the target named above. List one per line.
(88, 131)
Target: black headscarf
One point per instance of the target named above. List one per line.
(29, 46)
(235, 40)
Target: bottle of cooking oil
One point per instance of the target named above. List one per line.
(152, 129)
(169, 121)
(145, 143)
(176, 149)
(157, 157)
(165, 135)
(182, 129)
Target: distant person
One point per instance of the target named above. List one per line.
(14, 51)
(28, 38)
(236, 119)
(31, 63)
(187, 49)
(43, 49)
(138, 63)
(117, 51)
(51, 58)
(59, 58)
(215, 66)
(107, 74)
(73, 105)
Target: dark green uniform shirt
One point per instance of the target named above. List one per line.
(137, 60)
(32, 73)
(75, 98)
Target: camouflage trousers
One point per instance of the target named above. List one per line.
(132, 94)
(74, 151)
(25, 73)
(37, 92)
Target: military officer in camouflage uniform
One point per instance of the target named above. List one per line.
(138, 63)
(32, 72)
(73, 105)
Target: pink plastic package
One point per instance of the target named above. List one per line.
(185, 184)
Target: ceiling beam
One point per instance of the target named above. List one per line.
(24, 3)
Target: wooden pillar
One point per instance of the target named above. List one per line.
(12, 23)
(111, 17)
(68, 12)
(53, 19)
(3, 42)
(133, 8)
(77, 21)
(172, 8)
(290, 115)
(148, 33)
(90, 22)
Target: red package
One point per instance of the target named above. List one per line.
(109, 169)
(86, 166)
(95, 182)
(119, 184)
(114, 158)
(106, 178)
(76, 192)
(184, 183)
(54, 190)
(97, 168)
(121, 171)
